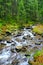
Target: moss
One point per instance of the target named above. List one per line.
(38, 58)
(38, 53)
(38, 29)
(13, 25)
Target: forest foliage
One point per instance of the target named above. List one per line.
(21, 11)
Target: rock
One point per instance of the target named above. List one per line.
(27, 37)
(13, 50)
(2, 45)
(39, 39)
(1, 37)
(19, 33)
(27, 55)
(30, 27)
(34, 49)
(18, 40)
(13, 44)
(18, 50)
(18, 47)
(32, 38)
(8, 33)
(15, 62)
(30, 45)
(24, 49)
(8, 39)
(37, 43)
(1, 40)
(42, 35)
(34, 33)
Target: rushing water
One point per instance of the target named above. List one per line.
(9, 55)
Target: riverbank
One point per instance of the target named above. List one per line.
(37, 27)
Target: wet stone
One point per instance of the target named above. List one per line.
(1, 40)
(42, 35)
(27, 37)
(24, 37)
(9, 41)
(8, 33)
(13, 44)
(37, 43)
(34, 33)
(13, 50)
(24, 49)
(2, 45)
(18, 39)
(34, 49)
(18, 46)
(18, 50)
(15, 62)
(1, 37)
(27, 55)
(29, 27)
(39, 39)
(30, 45)
(19, 34)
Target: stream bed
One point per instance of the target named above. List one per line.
(18, 47)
